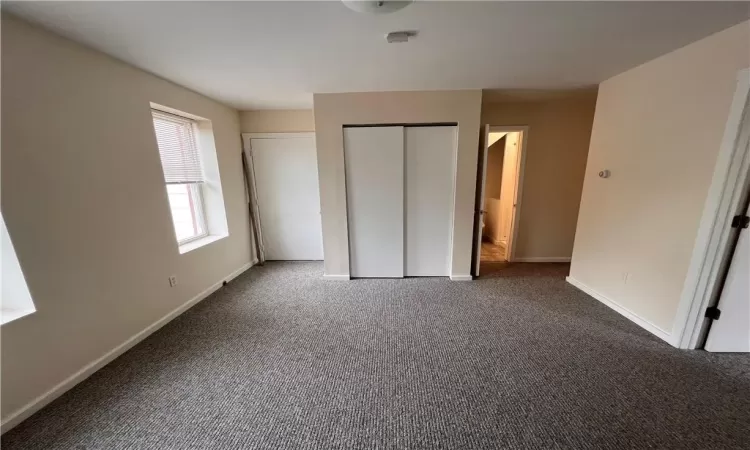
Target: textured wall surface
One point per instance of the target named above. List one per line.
(658, 129)
(332, 111)
(84, 200)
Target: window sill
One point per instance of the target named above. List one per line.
(198, 243)
(9, 315)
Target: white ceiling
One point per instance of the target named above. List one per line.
(254, 55)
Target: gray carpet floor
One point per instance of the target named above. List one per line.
(280, 359)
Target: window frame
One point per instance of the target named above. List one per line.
(195, 193)
(195, 190)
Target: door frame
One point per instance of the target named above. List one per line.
(252, 197)
(518, 195)
(716, 239)
(454, 178)
(479, 183)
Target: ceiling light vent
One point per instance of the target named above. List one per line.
(395, 37)
(376, 7)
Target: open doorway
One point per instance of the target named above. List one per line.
(498, 195)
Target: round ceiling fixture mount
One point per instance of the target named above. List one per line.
(376, 7)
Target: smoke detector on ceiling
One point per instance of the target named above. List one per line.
(376, 7)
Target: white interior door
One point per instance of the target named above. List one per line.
(479, 215)
(286, 183)
(430, 155)
(374, 163)
(731, 332)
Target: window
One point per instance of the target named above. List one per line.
(16, 299)
(183, 173)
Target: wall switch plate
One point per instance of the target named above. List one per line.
(625, 277)
(172, 281)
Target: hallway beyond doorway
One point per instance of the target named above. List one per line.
(499, 179)
(492, 252)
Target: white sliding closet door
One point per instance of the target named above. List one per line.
(286, 183)
(374, 162)
(430, 167)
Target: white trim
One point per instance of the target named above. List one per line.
(543, 259)
(335, 277)
(302, 134)
(193, 244)
(41, 401)
(195, 191)
(453, 193)
(176, 112)
(635, 318)
(461, 278)
(479, 212)
(728, 185)
(252, 193)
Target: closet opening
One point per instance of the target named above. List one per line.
(400, 189)
(499, 181)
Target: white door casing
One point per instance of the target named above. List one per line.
(479, 213)
(730, 182)
(731, 332)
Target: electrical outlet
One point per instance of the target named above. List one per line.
(625, 276)
(172, 281)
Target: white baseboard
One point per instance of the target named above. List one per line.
(335, 277)
(43, 400)
(633, 317)
(540, 259)
(461, 278)
(229, 278)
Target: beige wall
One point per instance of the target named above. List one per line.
(556, 149)
(494, 177)
(277, 121)
(658, 128)
(334, 110)
(84, 200)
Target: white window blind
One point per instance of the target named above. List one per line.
(177, 148)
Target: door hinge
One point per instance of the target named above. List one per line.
(740, 221)
(713, 313)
